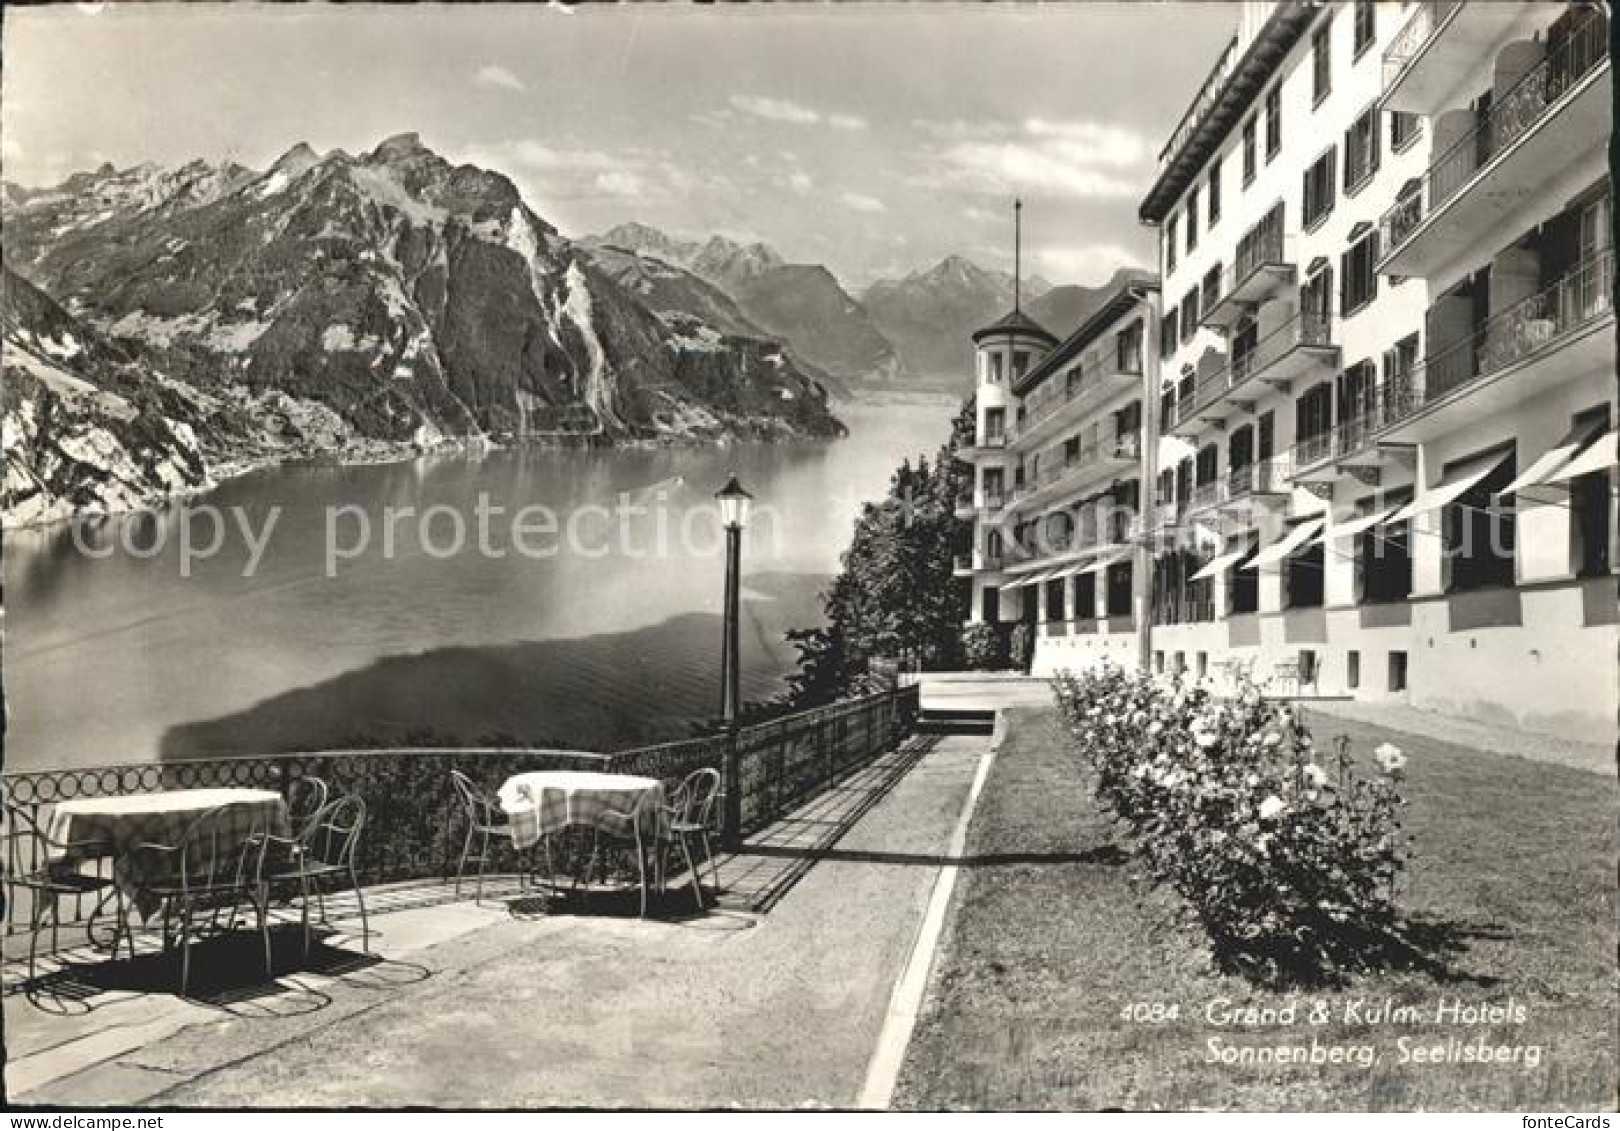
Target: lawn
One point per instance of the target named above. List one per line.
(1053, 939)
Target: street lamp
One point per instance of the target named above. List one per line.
(733, 502)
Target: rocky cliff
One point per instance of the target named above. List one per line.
(413, 298)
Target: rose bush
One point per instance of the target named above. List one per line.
(1288, 860)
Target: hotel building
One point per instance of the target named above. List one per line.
(1381, 442)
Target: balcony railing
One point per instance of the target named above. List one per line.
(994, 500)
(1509, 118)
(1414, 35)
(414, 824)
(1078, 384)
(1306, 329)
(1122, 447)
(1352, 434)
(1202, 103)
(1263, 246)
(1539, 323)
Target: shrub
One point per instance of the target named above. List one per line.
(1021, 647)
(1288, 862)
(983, 647)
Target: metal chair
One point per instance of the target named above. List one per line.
(690, 810)
(323, 850)
(633, 818)
(43, 867)
(306, 796)
(484, 820)
(219, 860)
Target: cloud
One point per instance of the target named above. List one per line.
(792, 113)
(1090, 264)
(860, 202)
(1080, 159)
(775, 110)
(621, 183)
(497, 77)
(982, 215)
(800, 182)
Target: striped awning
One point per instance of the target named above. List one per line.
(1451, 488)
(1604, 453)
(1103, 563)
(1353, 526)
(1556, 458)
(1296, 539)
(1222, 563)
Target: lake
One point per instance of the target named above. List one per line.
(341, 609)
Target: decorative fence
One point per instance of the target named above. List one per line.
(414, 824)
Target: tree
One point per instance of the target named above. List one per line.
(894, 596)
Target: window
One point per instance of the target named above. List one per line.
(1400, 361)
(1313, 412)
(1322, 63)
(1085, 596)
(1189, 315)
(1128, 348)
(1316, 296)
(1273, 121)
(1167, 332)
(1360, 276)
(1361, 145)
(1319, 188)
(1478, 531)
(1214, 192)
(1192, 221)
(1212, 287)
(1119, 589)
(1397, 671)
(995, 368)
(1589, 510)
(1383, 554)
(995, 423)
(1355, 396)
(1208, 464)
(1053, 600)
(1404, 129)
(1170, 244)
(1352, 670)
(1365, 26)
(1203, 665)
(992, 605)
(1302, 580)
(1242, 585)
(1020, 364)
(1248, 152)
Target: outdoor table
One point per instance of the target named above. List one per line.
(548, 801)
(99, 827)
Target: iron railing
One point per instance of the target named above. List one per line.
(414, 824)
(1538, 324)
(1306, 329)
(1047, 399)
(1509, 118)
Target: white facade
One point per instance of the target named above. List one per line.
(1368, 345)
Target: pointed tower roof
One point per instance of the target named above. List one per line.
(1015, 322)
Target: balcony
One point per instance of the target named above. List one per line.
(989, 445)
(1078, 389)
(1560, 333)
(1092, 462)
(1264, 268)
(1349, 443)
(1556, 114)
(1246, 489)
(1303, 346)
(1440, 48)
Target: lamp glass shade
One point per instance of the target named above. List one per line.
(733, 503)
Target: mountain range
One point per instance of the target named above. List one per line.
(391, 296)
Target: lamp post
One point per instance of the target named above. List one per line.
(733, 516)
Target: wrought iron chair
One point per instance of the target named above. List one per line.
(690, 810)
(219, 862)
(306, 796)
(44, 867)
(322, 851)
(485, 820)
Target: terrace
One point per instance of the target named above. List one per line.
(446, 973)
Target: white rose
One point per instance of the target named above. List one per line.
(1271, 807)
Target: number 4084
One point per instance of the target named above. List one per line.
(1151, 1012)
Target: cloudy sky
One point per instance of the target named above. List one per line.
(873, 138)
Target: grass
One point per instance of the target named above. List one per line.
(1512, 878)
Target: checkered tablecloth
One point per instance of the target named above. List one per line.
(542, 803)
(99, 827)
